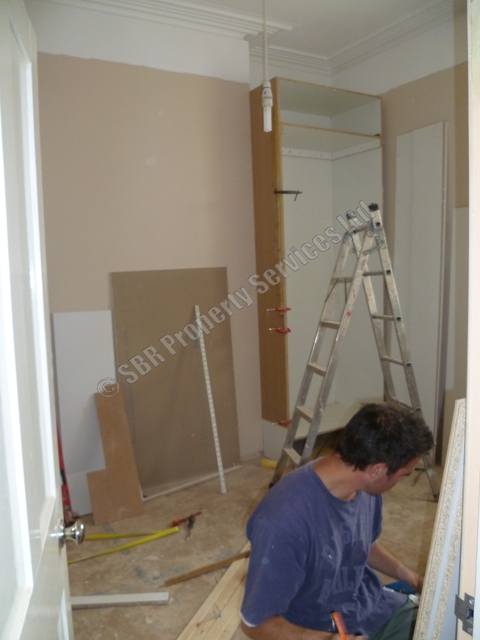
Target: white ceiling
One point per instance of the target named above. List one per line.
(332, 34)
(326, 27)
(328, 35)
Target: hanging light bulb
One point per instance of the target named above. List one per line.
(267, 103)
(267, 95)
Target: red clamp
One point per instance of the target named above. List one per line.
(284, 423)
(280, 330)
(280, 309)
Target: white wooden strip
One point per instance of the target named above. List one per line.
(119, 600)
(436, 618)
(210, 403)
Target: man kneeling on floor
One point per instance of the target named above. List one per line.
(314, 538)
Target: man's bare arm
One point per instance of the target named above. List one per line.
(277, 628)
(382, 560)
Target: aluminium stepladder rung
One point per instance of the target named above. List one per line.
(363, 240)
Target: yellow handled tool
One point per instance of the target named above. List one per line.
(154, 536)
(112, 536)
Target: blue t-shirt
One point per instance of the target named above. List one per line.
(308, 558)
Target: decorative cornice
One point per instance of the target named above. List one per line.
(292, 58)
(417, 22)
(182, 13)
(209, 18)
(414, 24)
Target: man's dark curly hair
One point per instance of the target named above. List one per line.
(389, 433)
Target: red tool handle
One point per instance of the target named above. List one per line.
(340, 624)
(175, 523)
(284, 310)
(284, 423)
(282, 330)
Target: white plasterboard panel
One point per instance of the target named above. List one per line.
(305, 217)
(309, 119)
(363, 119)
(335, 417)
(311, 98)
(456, 364)
(359, 377)
(313, 139)
(84, 355)
(418, 254)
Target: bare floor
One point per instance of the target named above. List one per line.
(409, 513)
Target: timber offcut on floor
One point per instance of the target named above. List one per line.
(219, 532)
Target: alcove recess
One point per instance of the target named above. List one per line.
(326, 144)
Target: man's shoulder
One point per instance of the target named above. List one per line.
(293, 495)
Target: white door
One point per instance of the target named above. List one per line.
(470, 544)
(34, 601)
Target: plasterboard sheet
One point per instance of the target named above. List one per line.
(457, 329)
(313, 139)
(162, 377)
(359, 376)
(312, 98)
(418, 255)
(84, 355)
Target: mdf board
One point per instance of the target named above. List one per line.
(325, 143)
(114, 491)
(269, 249)
(418, 256)
(165, 394)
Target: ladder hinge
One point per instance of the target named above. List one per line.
(464, 610)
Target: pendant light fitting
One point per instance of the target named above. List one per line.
(267, 95)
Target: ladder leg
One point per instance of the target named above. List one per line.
(364, 241)
(397, 318)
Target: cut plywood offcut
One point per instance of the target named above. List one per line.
(162, 377)
(115, 491)
(219, 616)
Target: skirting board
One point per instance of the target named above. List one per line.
(119, 600)
(219, 616)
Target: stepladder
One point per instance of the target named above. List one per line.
(363, 262)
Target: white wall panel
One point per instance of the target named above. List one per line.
(359, 376)
(418, 255)
(310, 214)
(84, 355)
